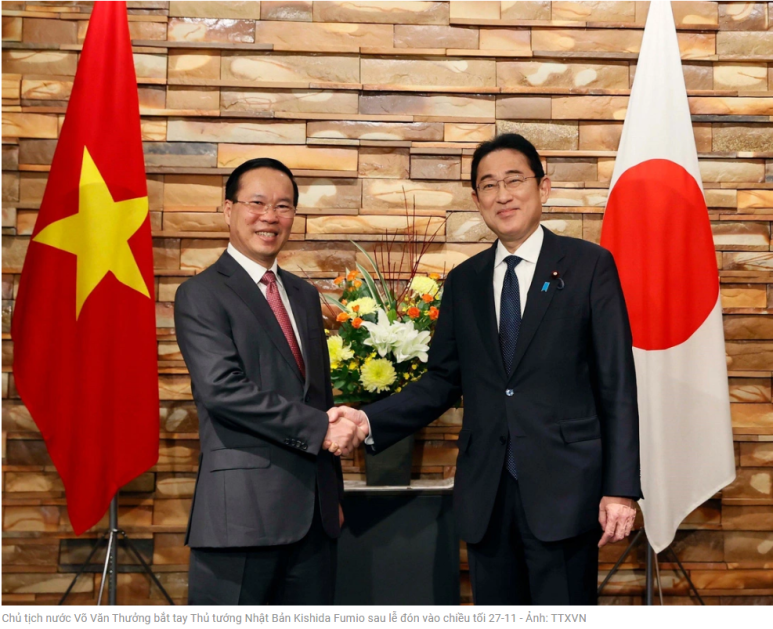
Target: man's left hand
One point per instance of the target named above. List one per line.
(616, 516)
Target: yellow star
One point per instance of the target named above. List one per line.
(99, 235)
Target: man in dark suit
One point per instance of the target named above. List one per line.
(266, 508)
(534, 333)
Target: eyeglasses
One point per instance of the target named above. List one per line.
(258, 208)
(491, 187)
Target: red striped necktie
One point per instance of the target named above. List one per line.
(280, 312)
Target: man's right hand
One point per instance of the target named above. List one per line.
(347, 430)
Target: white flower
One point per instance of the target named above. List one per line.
(367, 305)
(400, 338)
(381, 334)
(410, 343)
(422, 285)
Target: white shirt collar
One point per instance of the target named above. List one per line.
(255, 270)
(528, 251)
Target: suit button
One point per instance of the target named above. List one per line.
(304, 446)
(509, 393)
(502, 439)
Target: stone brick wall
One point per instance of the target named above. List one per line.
(365, 100)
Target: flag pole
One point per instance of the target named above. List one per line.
(649, 575)
(114, 536)
(113, 591)
(651, 567)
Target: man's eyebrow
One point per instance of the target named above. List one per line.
(513, 171)
(263, 196)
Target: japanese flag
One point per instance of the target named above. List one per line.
(657, 226)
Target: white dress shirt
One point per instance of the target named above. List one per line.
(256, 272)
(529, 253)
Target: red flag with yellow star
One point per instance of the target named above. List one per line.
(84, 323)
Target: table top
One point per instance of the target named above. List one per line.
(429, 486)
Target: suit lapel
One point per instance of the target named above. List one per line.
(241, 283)
(300, 313)
(537, 300)
(482, 293)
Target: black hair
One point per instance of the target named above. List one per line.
(511, 141)
(232, 185)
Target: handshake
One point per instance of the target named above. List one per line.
(348, 428)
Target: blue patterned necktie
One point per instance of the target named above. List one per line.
(509, 326)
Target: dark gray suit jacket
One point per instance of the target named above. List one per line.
(261, 424)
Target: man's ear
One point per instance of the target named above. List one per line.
(227, 208)
(544, 189)
(475, 199)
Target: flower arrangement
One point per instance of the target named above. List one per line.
(385, 330)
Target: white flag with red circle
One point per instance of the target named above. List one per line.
(657, 226)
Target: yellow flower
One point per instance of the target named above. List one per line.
(363, 305)
(353, 366)
(422, 285)
(378, 375)
(338, 352)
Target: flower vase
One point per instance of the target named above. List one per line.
(392, 466)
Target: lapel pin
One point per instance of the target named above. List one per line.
(559, 280)
(545, 287)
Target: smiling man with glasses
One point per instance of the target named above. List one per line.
(534, 333)
(266, 507)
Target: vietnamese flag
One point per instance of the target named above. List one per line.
(657, 226)
(84, 323)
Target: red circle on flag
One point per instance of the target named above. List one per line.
(656, 226)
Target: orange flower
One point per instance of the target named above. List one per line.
(356, 323)
(434, 313)
(344, 301)
(344, 316)
(357, 283)
(338, 280)
(355, 308)
(434, 276)
(428, 298)
(414, 312)
(352, 275)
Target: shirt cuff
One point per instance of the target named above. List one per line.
(369, 439)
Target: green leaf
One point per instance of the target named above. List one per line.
(333, 300)
(371, 285)
(384, 285)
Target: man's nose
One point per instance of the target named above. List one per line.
(504, 194)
